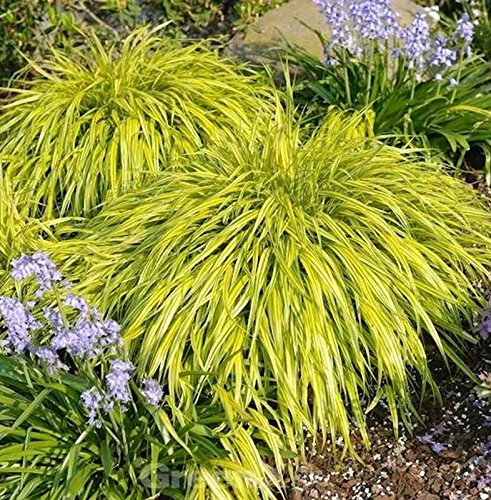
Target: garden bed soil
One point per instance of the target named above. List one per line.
(446, 456)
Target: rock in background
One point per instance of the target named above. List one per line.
(292, 21)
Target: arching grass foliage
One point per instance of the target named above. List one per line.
(91, 125)
(17, 232)
(300, 280)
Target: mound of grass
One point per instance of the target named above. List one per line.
(99, 122)
(17, 232)
(303, 280)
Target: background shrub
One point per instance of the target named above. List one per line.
(301, 280)
(18, 20)
(89, 127)
(214, 17)
(30, 28)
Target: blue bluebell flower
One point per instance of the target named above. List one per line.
(19, 323)
(337, 17)
(55, 319)
(51, 359)
(441, 56)
(465, 30)
(373, 19)
(152, 392)
(117, 381)
(112, 334)
(93, 400)
(416, 42)
(353, 23)
(87, 338)
(38, 265)
(77, 302)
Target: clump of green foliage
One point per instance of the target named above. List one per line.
(76, 422)
(18, 21)
(93, 124)
(424, 87)
(300, 280)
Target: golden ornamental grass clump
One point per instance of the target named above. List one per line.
(18, 233)
(91, 125)
(300, 280)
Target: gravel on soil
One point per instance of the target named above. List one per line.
(447, 455)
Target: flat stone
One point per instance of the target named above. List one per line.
(292, 21)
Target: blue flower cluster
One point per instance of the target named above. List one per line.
(416, 42)
(38, 265)
(19, 322)
(89, 335)
(352, 21)
(152, 392)
(93, 401)
(356, 24)
(117, 391)
(86, 336)
(441, 56)
(373, 19)
(464, 32)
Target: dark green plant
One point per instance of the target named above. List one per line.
(447, 109)
(205, 17)
(482, 41)
(19, 21)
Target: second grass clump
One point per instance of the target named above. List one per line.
(92, 125)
